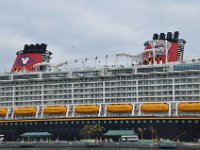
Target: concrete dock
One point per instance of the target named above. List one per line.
(139, 144)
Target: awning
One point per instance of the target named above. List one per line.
(35, 134)
(120, 132)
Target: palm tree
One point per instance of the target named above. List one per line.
(87, 131)
(97, 129)
(141, 132)
(152, 131)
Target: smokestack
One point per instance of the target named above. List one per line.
(176, 35)
(162, 36)
(155, 36)
(169, 36)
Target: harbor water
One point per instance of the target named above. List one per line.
(80, 148)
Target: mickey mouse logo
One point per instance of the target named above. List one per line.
(25, 60)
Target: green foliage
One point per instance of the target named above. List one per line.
(89, 131)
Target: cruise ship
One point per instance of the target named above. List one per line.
(156, 93)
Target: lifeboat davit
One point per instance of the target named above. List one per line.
(189, 107)
(3, 112)
(155, 108)
(25, 111)
(55, 110)
(120, 108)
(87, 109)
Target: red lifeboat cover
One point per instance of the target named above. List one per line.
(26, 62)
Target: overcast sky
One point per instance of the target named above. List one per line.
(75, 29)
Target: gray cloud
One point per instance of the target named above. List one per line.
(87, 28)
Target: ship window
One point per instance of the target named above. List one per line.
(104, 121)
(98, 122)
(133, 121)
(11, 124)
(138, 121)
(6, 124)
(88, 122)
(170, 121)
(50, 123)
(82, 122)
(65, 129)
(56, 122)
(77, 122)
(115, 122)
(20, 123)
(157, 121)
(183, 121)
(163, 121)
(61, 122)
(66, 122)
(127, 121)
(16, 123)
(93, 121)
(176, 121)
(189, 121)
(35, 123)
(150, 121)
(30, 123)
(144, 121)
(121, 121)
(45, 123)
(110, 122)
(196, 121)
(72, 122)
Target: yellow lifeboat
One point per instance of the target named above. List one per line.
(155, 108)
(3, 112)
(189, 107)
(55, 110)
(120, 108)
(25, 111)
(87, 109)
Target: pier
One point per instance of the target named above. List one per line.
(139, 144)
